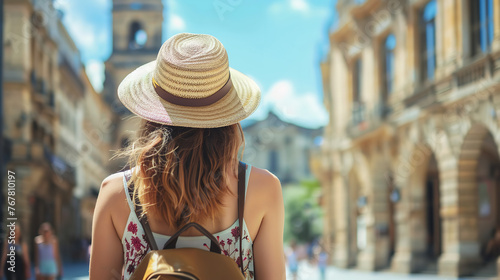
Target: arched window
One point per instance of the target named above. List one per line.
(481, 19)
(428, 41)
(137, 36)
(388, 64)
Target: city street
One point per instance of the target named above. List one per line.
(79, 271)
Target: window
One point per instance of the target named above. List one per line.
(481, 26)
(356, 86)
(357, 106)
(388, 64)
(273, 161)
(137, 36)
(428, 41)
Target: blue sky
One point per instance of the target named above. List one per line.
(278, 43)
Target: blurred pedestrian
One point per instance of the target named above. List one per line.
(89, 249)
(19, 268)
(293, 260)
(322, 261)
(47, 258)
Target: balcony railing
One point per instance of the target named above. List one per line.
(364, 120)
(51, 99)
(33, 77)
(40, 86)
(41, 154)
(477, 71)
(59, 165)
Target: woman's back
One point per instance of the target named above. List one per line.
(263, 199)
(135, 245)
(186, 160)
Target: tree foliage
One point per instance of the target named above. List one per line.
(303, 215)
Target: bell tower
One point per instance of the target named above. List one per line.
(137, 37)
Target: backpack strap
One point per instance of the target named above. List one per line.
(143, 219)
(214, 244)
(241, 205)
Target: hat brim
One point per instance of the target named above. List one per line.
(137, 93)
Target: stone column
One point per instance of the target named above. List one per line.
(410, 212)
(376, 253)
(403, 260)
(341, 255)
(496, 25)
(459, 206)
(412, 73)
(447, 37)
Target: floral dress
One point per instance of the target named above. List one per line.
(135, 246)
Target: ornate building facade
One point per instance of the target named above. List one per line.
(411, 167)
(60, 132)
(49, 105)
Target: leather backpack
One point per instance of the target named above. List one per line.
(189, 263)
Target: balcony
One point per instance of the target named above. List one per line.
(478, 71)
(60, 167)
(365, 120)
(40, 87)
(474, 72)
(51, 100)
(26, 151)
(33, 77)
(40, 154)
(424, 96)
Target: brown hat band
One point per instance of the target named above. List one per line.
(193, 102)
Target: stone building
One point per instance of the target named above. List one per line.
(410, 167)
(46, 112)
(280, 147)
(137, 37)
(95, 152)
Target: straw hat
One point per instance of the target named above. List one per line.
(190, 84)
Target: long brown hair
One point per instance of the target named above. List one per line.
(183, 172)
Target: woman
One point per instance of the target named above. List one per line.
(19, 269)
(185, 164)
(47, 258)
(293, 260)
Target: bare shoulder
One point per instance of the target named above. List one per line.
(112, 187)
(264, 184)
(111, 199)
(113, 181)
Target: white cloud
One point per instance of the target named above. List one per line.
(299, 6)
(304, 109)
(95, 72)
(176, 23)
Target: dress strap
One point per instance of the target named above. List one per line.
(247, 176)
(126, 176)
(137, 208)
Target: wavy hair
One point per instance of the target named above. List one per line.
(183, 172)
